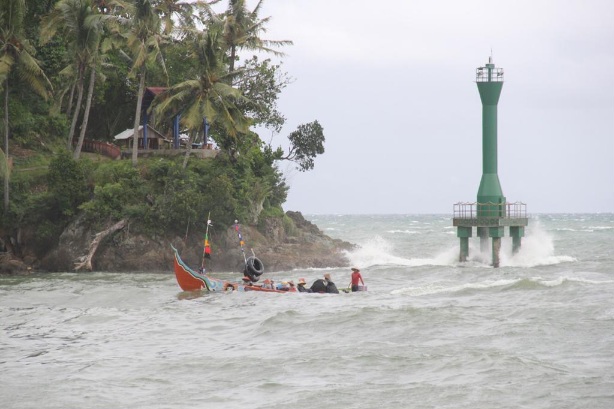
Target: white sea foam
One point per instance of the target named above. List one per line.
(592, 229)
(403, 232)
(537, 249)
(376, 251)
(437, 288)
(379, 251)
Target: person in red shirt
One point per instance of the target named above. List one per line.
(356, 278)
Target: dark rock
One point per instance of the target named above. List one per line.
(281, 244)
(10, 265)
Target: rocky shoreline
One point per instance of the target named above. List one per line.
(304, 246)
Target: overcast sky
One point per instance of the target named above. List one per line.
(392, 82)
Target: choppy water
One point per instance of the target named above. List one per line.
(430, 332)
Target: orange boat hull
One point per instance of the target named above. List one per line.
(187, 279)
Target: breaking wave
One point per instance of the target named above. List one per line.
(537, 250)
(502, 284)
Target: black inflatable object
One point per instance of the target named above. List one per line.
(254, 267)
(318, 286)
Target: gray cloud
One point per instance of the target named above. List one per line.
(392, 83)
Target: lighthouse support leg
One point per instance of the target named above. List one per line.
(463, 233)
(483, 235)
(496, 233)
(517, 232)
(496, 247)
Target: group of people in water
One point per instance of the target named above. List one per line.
(321, 285)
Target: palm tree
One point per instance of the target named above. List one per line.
(242, 29)
(82, 24)
(182, 12)
(149, 25)
(140, 31)
(207, 95)
(16, 61)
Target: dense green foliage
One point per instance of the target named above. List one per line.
(96, 57)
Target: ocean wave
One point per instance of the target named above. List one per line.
(434, 288)
(521, 260)
(593, 229)
(379, 252)
(402, 232)
(537, 249)
(526, 283)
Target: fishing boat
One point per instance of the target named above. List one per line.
(191, 280)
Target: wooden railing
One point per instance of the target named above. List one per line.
(103, 148)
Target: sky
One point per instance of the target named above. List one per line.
(392, 82)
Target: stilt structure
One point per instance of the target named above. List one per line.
(491, 213)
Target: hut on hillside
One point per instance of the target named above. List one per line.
(155, 140)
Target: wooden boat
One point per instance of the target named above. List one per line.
(190, 280)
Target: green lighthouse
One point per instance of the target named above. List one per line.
(491, 213)
(490, 83)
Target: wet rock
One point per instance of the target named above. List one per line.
(281, 244)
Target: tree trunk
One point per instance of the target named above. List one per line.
(231, 63)
(70, 99)
(86, 114)
(137, 118)
(87, 260)
(7, 174)
(75, 115)
(188, 150)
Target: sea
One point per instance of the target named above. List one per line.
(430, 332)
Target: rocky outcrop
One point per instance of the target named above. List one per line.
(280, 243)
(305, 246)
(11, 265)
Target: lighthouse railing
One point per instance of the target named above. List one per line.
(475, 210)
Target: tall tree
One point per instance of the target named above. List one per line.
(242, 29)
(16, 62)
(206, 95)
(306, 143)
(182, 14)
(141, 32)
(146, 26)
(81, 23)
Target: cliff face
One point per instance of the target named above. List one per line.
(304, 246)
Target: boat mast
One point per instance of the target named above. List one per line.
(206, 244)
(241, 242)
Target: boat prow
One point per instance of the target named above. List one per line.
(188, 279)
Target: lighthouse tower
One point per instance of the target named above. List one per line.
(491, 213)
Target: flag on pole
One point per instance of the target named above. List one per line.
(207, 247)
(207, 250)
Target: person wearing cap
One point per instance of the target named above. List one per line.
(292, 286)
(356, 278)
(283, 286)
(301, 286)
